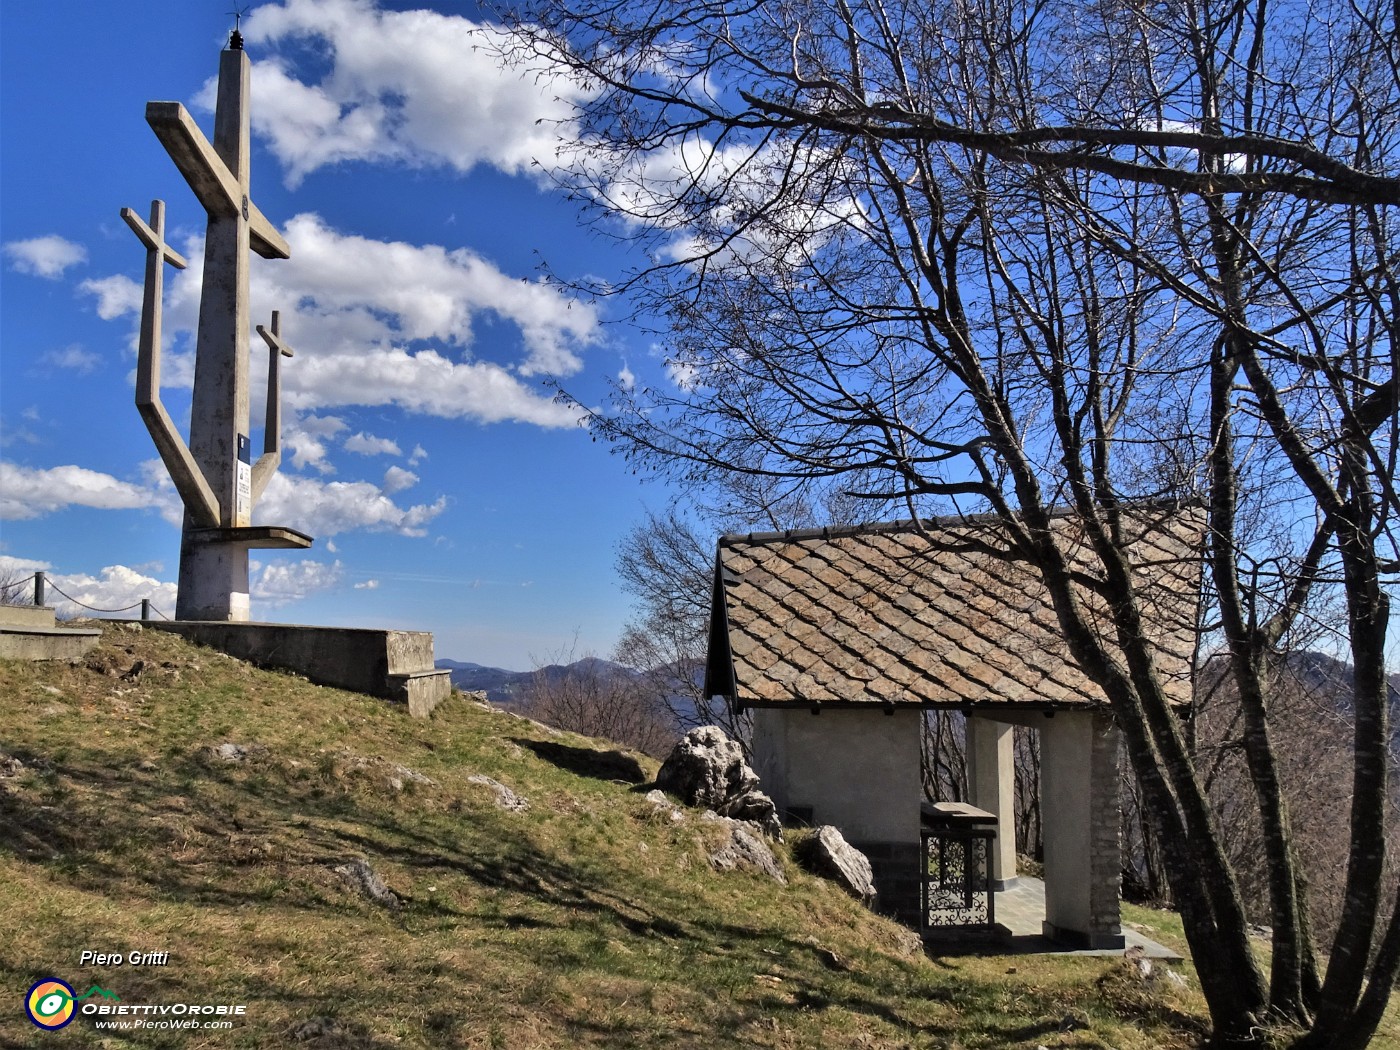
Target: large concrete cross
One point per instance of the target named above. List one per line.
(214, 474)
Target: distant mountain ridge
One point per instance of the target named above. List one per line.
(508, 687)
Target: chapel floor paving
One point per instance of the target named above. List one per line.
(1021, 909)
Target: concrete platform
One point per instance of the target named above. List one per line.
(394, 665)
(1022, 910)
(30, 632)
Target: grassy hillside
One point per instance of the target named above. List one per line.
(586, 919)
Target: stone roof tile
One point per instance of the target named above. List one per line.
(930, 616)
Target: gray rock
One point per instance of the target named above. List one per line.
(362, 877)
(828, 854)
(318, 1028)
(505, 797)
(706, 768)
(756, 808)
(231, 752)
(745, 850)
(662, 805)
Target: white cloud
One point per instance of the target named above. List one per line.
(45, 256)
(367, 585)
(418, 454)
(362, 339)
(12, 566)
(16, 587)
(17, 435)
(279, 583)
(161, 489)
(423, 382)
(396, 479)
(410, 87)
(369, 445)
(320, 508)
(435, 295)
(627, 379)
(683, 374)
(74, 358)
(328, 508)
(27, 492)
(116, 295)
(303, 438)
(116, 591)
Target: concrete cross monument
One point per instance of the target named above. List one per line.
(214, 474)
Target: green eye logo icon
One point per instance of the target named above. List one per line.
(50, 1003)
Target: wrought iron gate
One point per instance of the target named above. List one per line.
(956, 892)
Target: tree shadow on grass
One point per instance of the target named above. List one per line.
(585, 762)
(117, 811)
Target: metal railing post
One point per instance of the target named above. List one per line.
(145, 608)
(39, 588)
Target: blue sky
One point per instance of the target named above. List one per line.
(409, 172)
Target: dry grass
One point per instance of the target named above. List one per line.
(581, 921)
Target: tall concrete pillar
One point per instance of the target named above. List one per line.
(991, 785)
(214, 473)
(1080, 809)
(214, 577)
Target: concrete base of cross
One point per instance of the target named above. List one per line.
(393, 665)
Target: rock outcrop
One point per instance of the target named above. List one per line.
(828, 854)
(707, 769)
(360, 876)
(505, 797)
(744, 850)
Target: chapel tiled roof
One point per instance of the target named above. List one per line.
(894, 614)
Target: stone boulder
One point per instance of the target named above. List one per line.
(706, 769)
(828, 854)
(360, 876)
(661, 806)
(744, 850)
(757, 808)
(505, 797)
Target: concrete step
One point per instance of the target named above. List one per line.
(46, 643)
(27, 616)
(422, 690)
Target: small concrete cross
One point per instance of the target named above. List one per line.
(267, 463)
(198, 498)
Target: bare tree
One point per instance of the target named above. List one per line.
(15, 587)
(943, 756)
(667, 564)
(1309, 706)
(591, 697)
(1022, 257)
